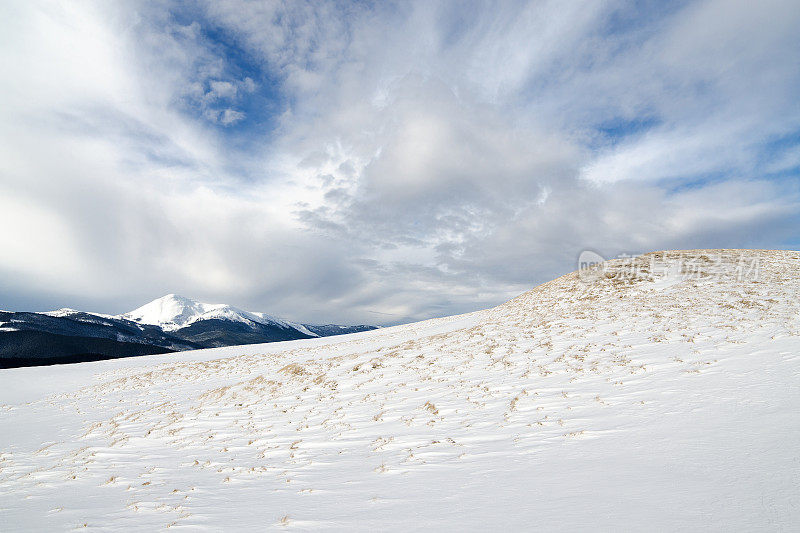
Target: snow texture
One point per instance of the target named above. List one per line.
(653, 402)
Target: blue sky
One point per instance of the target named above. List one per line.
(382, 162)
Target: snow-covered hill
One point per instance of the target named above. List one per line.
(658, 393)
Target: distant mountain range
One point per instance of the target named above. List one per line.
(169, 324)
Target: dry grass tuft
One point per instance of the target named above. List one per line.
(430, 407)
(293, 369)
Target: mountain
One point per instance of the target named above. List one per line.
(173, 312)
(69, 336)
(659, 392)
(168, 324)
(216, 325)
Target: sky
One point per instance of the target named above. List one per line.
(382, 162)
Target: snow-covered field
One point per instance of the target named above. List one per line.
(660, 402)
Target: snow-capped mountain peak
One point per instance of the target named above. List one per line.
(170, 312)
(173, 312)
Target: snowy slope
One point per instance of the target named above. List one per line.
(664, 400)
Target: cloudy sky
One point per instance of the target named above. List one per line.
(382, 162)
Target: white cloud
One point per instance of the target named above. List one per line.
(425, 159)
(222, 89)
(231, 116)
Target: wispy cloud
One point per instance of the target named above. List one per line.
(333, 161)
